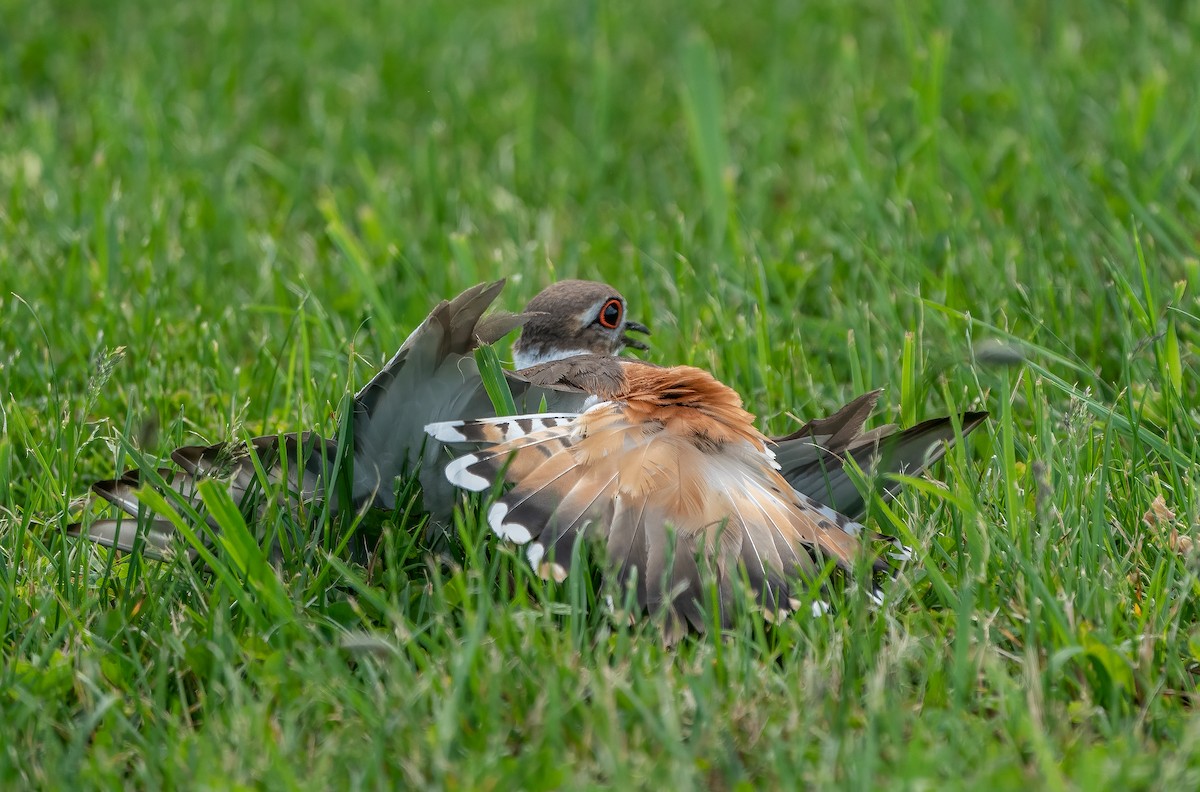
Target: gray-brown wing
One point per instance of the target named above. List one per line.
(303, 461)
(814, 458)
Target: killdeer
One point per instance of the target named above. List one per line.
(668, 469)
(432, 377)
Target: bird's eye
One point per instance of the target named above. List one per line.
(610, 314)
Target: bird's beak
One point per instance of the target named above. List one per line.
(636, 327)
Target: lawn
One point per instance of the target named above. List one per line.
(218, 219)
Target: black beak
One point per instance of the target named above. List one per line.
(634, 343)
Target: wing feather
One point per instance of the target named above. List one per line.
(815, 458)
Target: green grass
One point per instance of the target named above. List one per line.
(256, 202)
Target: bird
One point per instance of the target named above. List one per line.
(667, 473)
(433, 376)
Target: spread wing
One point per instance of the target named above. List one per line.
(306, 458)
(814, 458)
(432, 377)
(662, 503)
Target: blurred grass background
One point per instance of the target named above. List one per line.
(220, 218)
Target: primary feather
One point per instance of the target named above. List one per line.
(817, 458)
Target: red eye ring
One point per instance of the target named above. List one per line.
(610, 314)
